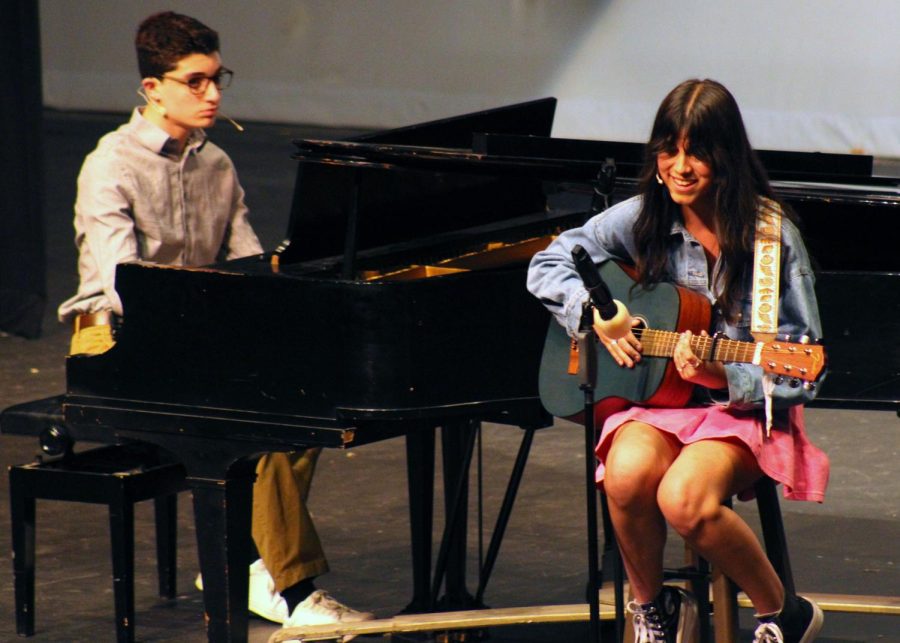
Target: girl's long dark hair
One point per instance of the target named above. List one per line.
(706, 115)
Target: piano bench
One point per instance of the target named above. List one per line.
(118, 476)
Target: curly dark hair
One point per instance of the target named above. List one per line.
(165, 38)
(707, 117)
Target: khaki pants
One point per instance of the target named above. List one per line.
(283, 530)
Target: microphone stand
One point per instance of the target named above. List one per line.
(586, 339)
(587, 373)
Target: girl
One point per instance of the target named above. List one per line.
(693, 224)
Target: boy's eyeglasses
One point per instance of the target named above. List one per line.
(199, 84)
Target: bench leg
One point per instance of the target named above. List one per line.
(166, 511)
(121, 534)
(22, 513)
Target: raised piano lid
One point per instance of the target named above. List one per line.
(395, 206)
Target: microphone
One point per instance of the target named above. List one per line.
(237, 125)
(616, 321)
(601, 298)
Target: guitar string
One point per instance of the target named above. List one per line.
(659, 343)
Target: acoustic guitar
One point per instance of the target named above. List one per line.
(664, 311)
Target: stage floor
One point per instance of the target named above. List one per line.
(848, 545)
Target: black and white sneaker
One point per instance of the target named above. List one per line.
(670, 618)
(798, 622)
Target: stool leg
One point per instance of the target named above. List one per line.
(612, 559)
(166, 511)
(725, 615)
(121, 533)
(773, 531)
(700, 587)
(22, 513)
(697, 572)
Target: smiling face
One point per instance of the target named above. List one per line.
(688, 179)
(174, 106)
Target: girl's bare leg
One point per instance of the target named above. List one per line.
(690, 496)
(636, 462)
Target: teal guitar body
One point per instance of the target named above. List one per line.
(653, 381)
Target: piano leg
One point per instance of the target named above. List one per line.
(222, 513)
(512, 489)
(457, 443)
(420, 478)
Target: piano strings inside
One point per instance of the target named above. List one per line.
(492, 255)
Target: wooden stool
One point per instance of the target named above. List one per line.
(118, 476)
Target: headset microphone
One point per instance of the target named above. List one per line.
(162, 110)
(237, 125)
(159, 108)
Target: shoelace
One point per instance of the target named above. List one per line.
(768, 633)
(324, 601)
(647, 626)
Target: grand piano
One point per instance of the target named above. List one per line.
(396, 304)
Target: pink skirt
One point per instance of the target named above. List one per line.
(786, 455)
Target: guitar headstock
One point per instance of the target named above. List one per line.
(799, 361)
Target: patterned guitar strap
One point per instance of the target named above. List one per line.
(766, 277)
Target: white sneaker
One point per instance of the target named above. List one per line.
(262, 599)
(320, 608)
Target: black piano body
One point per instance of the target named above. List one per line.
(341, 323)
(397, 304)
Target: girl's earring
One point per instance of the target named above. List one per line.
(658, 179)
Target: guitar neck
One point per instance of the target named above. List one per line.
(661, 343)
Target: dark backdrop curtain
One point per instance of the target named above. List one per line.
(23, 289)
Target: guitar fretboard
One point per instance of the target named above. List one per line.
(661, 343)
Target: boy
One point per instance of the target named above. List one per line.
(157, 190)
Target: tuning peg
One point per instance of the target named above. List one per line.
(809, 386)
(795, 382)
(805, 339)
(779, 379)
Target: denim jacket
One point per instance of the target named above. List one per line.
(609, 235)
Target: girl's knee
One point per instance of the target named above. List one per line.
(686, 506)
(629, 481)
(638, 459)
